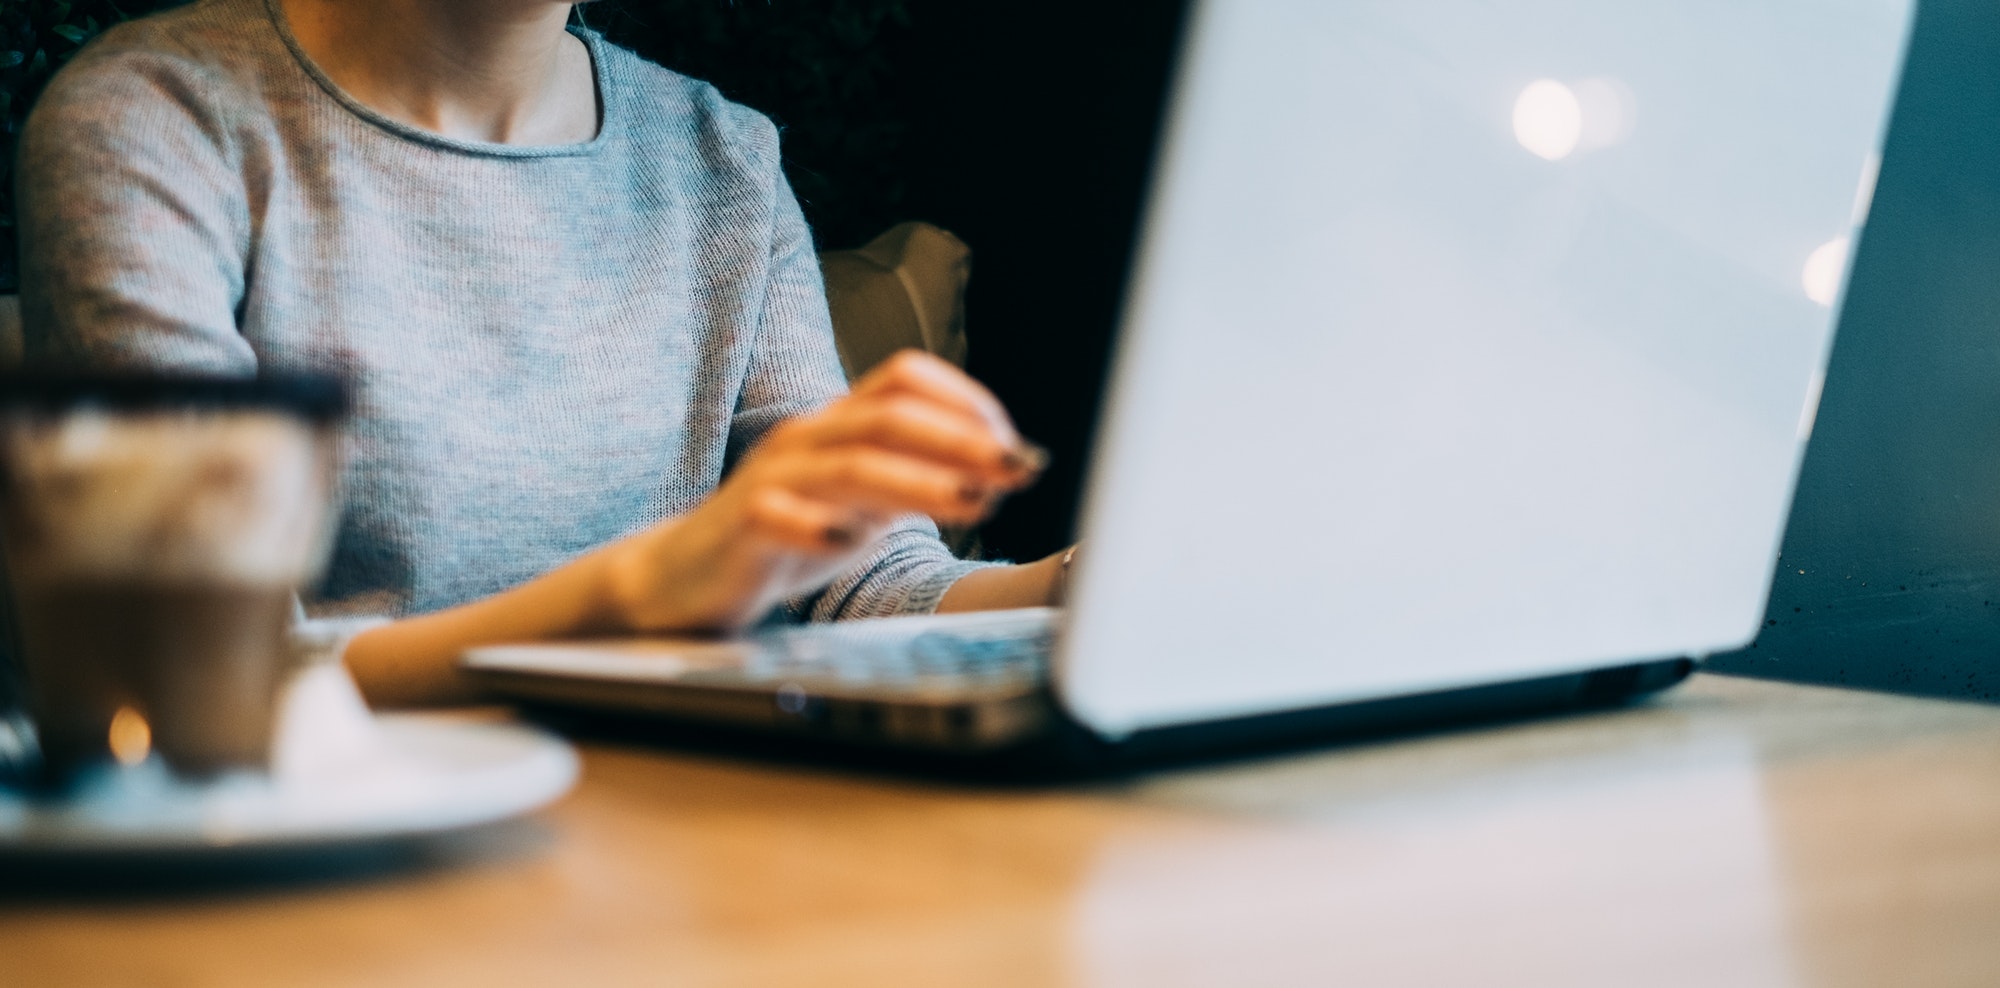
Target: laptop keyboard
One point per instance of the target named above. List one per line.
(958, 681)
(896, 653)
(929, 654)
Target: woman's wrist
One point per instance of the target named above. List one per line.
(694, 574)
(1065, 563)
(611, 605)
(627, 577)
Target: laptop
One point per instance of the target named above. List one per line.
(1467, 360)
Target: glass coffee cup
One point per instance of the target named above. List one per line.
(156, 531)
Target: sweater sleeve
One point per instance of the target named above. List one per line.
(134, 226)
(794, 369)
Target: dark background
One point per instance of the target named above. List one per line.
(1037, 153)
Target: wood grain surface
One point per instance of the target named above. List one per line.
(1734, 832)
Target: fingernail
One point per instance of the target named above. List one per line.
(1026, 457)
(839, 535)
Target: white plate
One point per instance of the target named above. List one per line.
(386, 777)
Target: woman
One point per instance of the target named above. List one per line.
(597, 390)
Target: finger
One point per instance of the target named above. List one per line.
(920, 373)
(807, 525)
(871, 479)
(918, 427)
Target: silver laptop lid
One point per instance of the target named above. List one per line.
(1468, 341)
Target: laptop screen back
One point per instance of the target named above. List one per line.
(1468, 341)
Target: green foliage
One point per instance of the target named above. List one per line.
(36, 38)
(821, 68)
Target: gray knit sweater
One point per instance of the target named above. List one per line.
(552, 346)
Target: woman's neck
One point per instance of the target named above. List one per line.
(503, 71)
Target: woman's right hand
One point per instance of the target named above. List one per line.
(914, 435)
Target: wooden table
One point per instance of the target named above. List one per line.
(1734, 832)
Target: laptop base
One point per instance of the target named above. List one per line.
(1065, 751)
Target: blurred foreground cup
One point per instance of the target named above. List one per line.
(155, 531)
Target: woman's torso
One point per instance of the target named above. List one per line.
(549, 344)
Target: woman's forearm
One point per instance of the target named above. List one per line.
(415, 661)
(1035, 584)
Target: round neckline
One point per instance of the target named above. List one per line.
(600, 70)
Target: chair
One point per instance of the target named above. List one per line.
(905, 289)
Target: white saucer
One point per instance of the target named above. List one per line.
(395, 776)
